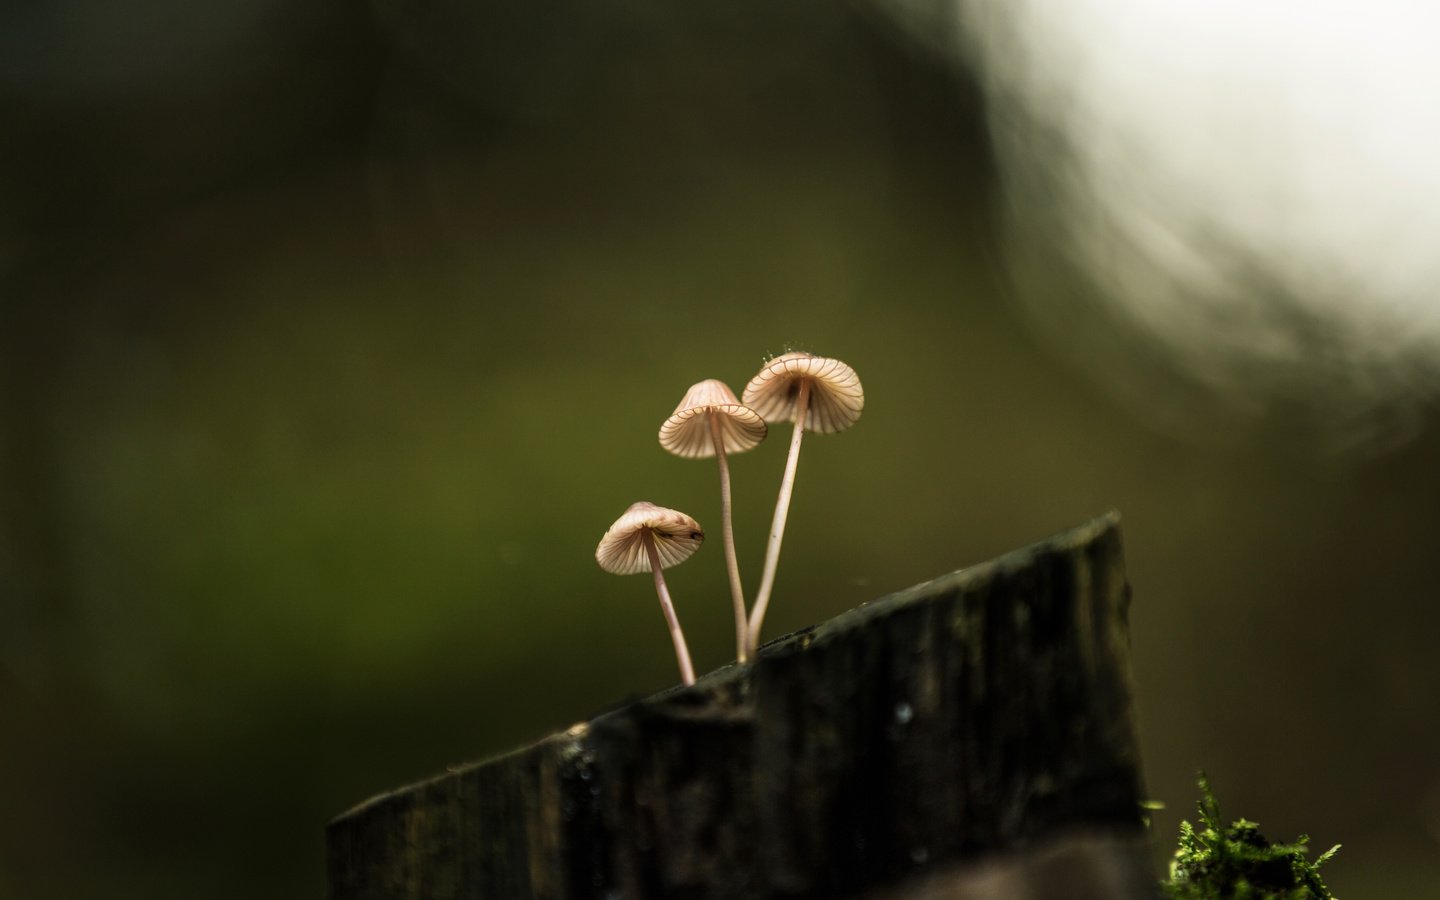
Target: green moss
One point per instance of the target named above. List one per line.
(1215, 861)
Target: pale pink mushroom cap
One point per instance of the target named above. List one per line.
(622, 549)
(687, 431)
(836, 397)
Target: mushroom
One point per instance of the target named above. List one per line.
(815, 393)
(711, 422)
(648, 538)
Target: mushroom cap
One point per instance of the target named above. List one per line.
(687, 431)
(622, 549)
(836, 397)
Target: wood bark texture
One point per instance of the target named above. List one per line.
(970, 736)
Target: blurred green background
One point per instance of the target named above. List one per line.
(333, 336)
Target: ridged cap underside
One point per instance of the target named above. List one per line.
(836, 396)
(622, 549)
(687, 431)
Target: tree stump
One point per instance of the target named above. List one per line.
(970, 736)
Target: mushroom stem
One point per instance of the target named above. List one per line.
(682, 652)
(782, 511)
(737, 591)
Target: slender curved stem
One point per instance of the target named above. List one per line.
(682, 652)
(737, 592)
(782, 511)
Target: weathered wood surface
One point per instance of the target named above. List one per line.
(970, 736)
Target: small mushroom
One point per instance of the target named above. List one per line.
(710, 421)
(817, 394)
(648, 538)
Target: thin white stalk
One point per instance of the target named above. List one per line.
(737, 591)
(682, 652)
(782, 511)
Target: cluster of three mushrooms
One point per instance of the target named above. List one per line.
(815, 393)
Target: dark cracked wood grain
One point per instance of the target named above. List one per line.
(976, 724)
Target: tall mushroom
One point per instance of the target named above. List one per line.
(710, 421)
(817, 394)
(648, 538)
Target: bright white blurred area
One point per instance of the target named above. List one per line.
(1248, 193)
